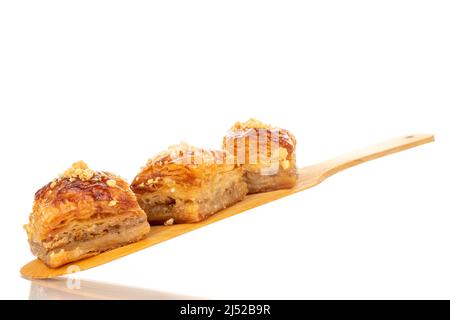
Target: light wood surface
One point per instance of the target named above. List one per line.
(308, 177)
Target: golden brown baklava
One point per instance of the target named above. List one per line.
(186, 184)
(266, 153)
(83, 213)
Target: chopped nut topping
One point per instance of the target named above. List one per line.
(53, 184)
(79, 170)
(169, 222)
(250, 124)
(112, 203)
(111, 182)
(187, 155)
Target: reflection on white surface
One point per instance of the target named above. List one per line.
(78, 289)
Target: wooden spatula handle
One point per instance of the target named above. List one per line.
(372, 152)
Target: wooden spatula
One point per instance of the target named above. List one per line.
(308, 177)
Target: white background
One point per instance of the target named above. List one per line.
(114, 82)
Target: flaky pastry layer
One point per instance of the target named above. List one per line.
(266, 153)
(187, 184)
(93, 245)
(79, 207)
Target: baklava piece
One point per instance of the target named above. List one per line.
(266, 153)
(83, 213)
(186, 184)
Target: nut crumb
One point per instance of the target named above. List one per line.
(112, 203)
(172, 190)
(285, 164)
(53, 184)
(111, 182)
(283, 154)
(152, 181)
(169, 222)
